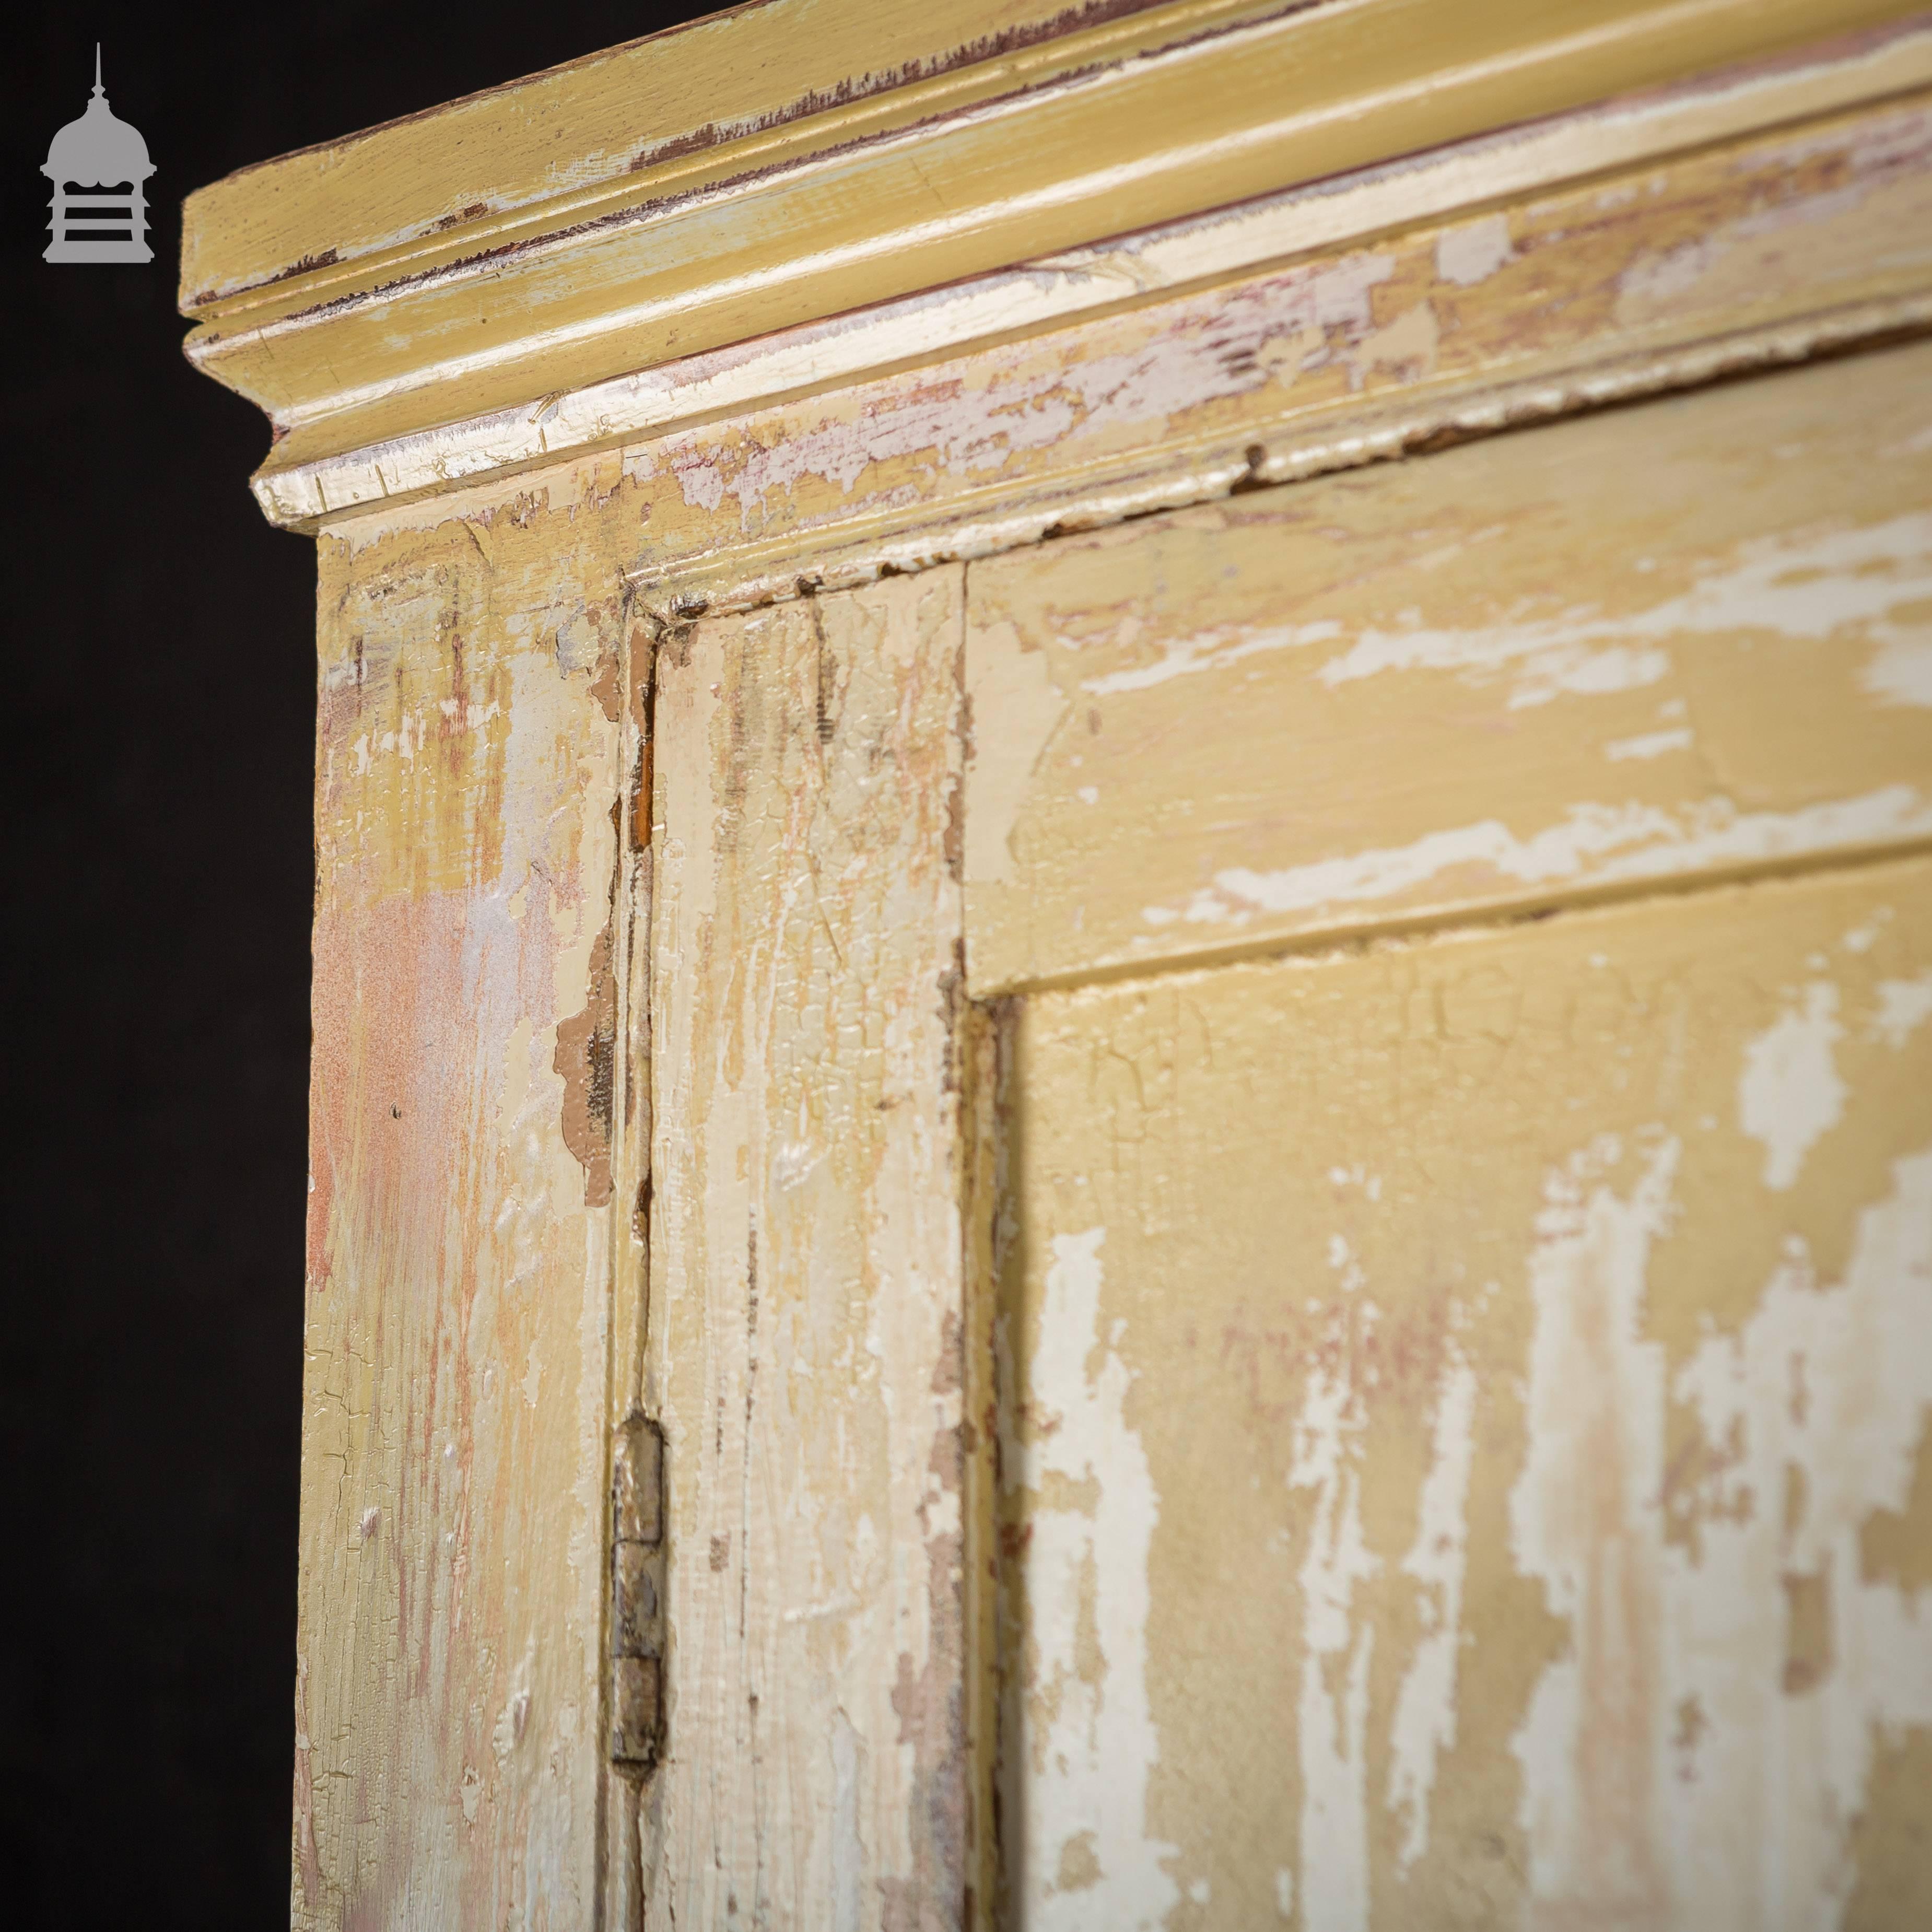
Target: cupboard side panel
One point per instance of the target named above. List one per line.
(449, 1754)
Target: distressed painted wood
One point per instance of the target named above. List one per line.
(1753, 256)
(1468, 1428)
(450, 1751)
(1103, 138)
(1692, 637)
(808, 1259)
(841, 525)
(436, 186)
(1806, 237)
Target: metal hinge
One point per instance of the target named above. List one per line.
(637, 1595)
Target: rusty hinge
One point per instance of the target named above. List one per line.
(637, 1595)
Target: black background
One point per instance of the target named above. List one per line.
(159, 701)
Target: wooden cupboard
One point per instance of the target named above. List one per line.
(1122, 1105)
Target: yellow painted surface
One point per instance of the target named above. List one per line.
(1852, 186)
(718, 96)
(1116, 144)
(1749, 255)
(1219, 1432)
(807, 1352)
(1467, 1413)
(1692, 637)
(449, 1752)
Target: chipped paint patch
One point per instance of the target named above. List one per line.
(1017, 708)
(1807, 587)
(1474, 250)
(1087, 1736)
(1210, 649)
(1595, 843)
(1425, 1712)
(1649, 744)
(1903, 1006)
(1578, 1517)
(1791, 1093)
(1900, 671)
(1797, 1660)
(1779, 1661)
(1332, 1722)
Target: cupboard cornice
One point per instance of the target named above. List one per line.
(563, 264)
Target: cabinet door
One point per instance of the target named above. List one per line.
(1464, 1305)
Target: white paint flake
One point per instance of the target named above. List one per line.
(1650, 744)
(1086, 1737)
(1903, 1006)
(1332, 1730)
(1862, 938)
(1791, 1093)
(1579, 1524)
(1685, 1766)
(1599, 842)
(1425, 1712)
(1211, 649)
(1900, 671)
(1808, 585)
(1474, 250)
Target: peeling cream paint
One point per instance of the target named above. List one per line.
(1904, 1006)
(1791, 1093)
(1332, 1726)
(1809, 586)
(1425, 1713)
(1650, 744)
(1473, 251)
(1087, 1738)
(1577, 1519)
(1739, 1814)
(1595, 842)
(1012, 691)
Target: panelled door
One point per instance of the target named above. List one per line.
(1292, 1248)
(1465, 1397)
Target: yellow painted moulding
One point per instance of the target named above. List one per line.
(852, 153)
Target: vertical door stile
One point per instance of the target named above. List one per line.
(808, 1334)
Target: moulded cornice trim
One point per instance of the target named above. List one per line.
(865, 253)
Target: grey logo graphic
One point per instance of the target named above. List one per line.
(97, 164)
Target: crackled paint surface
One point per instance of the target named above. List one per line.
(1452, 1482)
(956, 459)
(449, 1757)
(1684, 638)
(807, 1349)
(1462, 1406)
(1079, 1855)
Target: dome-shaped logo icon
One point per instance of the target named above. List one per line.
(97, 164)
